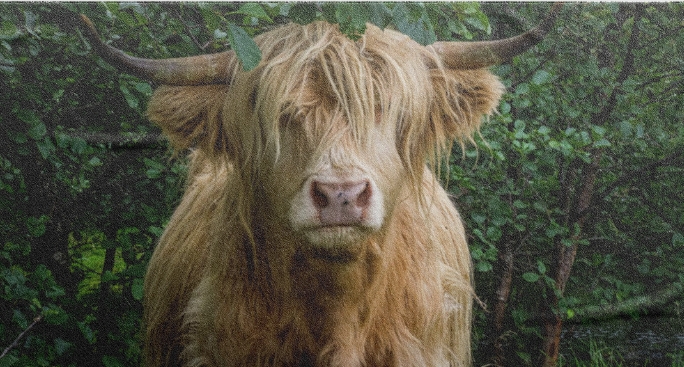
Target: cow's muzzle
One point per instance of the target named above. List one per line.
(341, 203)
(337, 210)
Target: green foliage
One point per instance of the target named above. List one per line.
(576, 108)
(425, 23)
(600, 355)
(79, 216)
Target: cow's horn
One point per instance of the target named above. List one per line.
(474, 55)
(193, 70)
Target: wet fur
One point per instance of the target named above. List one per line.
(230, 284)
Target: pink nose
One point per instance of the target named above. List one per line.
(341, 203)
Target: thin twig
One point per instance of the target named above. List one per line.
(15, 343)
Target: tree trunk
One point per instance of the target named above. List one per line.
(578, 211)
(503, 291)
(553, 323)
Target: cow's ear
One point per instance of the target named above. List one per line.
(462, 99)
(459, 101)
(190, 116)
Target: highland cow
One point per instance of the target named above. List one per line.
(312, 231)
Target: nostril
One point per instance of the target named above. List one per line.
(319, 197)
(363, 200)
(341, 203)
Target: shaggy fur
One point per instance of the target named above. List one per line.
(239, 279)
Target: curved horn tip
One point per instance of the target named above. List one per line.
(550, 19)
(93, 36)
(474, 55)
(90, 26)
(86, 20)
(192, 70)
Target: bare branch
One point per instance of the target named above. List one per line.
(121, 140)
(15, 343)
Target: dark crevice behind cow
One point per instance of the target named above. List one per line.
(312, 232)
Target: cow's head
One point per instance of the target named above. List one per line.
(326, 134)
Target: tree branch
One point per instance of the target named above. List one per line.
(122, 141)
(15, 343)
(638, 305)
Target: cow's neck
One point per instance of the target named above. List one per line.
(333, 291)
(317, 275)
(327, 288)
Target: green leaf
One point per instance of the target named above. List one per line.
(352, 18)
(55, 292)
(61, 346)
(418, 28)
(254, 10)
(598, 131)
(520, 204)
(519, 124)
(504, 108)
(78, 145)
(303, 13)
(602, 143)
(9, 31)
(17, 137)
(45, 147)
(494, 234)
(541, 77)
(87, 332)
(95, 162)
(380, 14)
(479, 21)
(108, 276)
(28, 116)
(522, 88)
(157, 231)
(212, 21)
(143, 87)
(137, 289)
(9, 359)
(244, 46)
(478, 218)
(132, 100)
(531, 277)
(484, 266)
(55, 315)
(541, 267)
(36, 225)
(219, 34)
(37, 131)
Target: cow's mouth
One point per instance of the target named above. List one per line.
(334, 244)
(334, 236)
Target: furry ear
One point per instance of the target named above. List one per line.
(190, 116)
(462, 98)
(459, 100)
